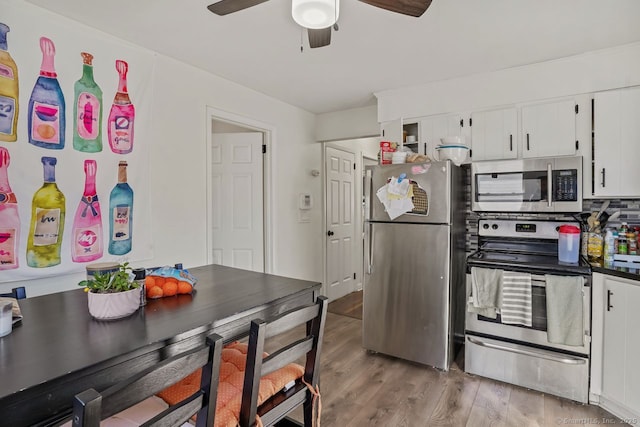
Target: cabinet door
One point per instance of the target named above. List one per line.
(617, 143)
(614, 340)
(494, 134)
(391, 131)
(435, 127)
(620, 376)
(549, 129)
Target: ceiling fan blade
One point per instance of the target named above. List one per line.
(224, 7)
(406, 7)
(319, 38)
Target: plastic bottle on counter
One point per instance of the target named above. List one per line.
(623, 249)
(596, 241)
(632, 243)
(609, 246)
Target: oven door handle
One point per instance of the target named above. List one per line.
(566, 359)
(549, 185)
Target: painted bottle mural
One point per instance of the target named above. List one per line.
(122, 115)
(9, 219)
(8, 90)
(121, 214)
(87, 110)
(87, 224)
(47, 220)
(46, 114)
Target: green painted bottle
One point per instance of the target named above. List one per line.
(47, 220)
(87, 110)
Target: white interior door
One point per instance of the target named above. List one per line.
(237, 200)
(341, 232)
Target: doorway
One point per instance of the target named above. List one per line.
(238, 188)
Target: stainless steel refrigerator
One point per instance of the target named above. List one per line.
(414, 264)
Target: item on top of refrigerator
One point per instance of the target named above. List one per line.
(387, 148)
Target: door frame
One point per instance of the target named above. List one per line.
(268, 139)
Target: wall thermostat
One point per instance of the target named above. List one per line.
(305, 202)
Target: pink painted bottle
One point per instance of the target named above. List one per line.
(9, 219)
(122, 115)
(87, 224)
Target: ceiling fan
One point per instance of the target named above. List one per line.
(319, 16)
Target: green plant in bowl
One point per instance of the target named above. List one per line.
(120, 281)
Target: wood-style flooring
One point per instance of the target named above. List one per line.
(362, 389)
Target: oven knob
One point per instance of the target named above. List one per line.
(485, 226)
(494, 226)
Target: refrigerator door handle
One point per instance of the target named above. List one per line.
(370, 249)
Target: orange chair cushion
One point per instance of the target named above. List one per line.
(232, 368)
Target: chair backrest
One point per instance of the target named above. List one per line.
(309, 347)
(90, 407)
(17, 293)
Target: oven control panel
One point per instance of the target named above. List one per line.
(521, 228)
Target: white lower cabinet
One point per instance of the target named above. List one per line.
(615, 347)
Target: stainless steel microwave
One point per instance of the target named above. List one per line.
(552, 184)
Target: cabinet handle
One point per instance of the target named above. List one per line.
(527, 142)
(510, 142)
(609, 306)
(603, 177)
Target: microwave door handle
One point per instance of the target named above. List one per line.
(549, 185)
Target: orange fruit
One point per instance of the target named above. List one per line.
(184, 287)
(159, 281)
(170, 288)
(149, 282)
(155, 292)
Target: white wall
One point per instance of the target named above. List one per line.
(181, 94)
(348, 124)
(590, 72)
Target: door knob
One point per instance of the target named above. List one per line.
(329, 233)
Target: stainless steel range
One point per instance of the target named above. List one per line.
(527, 354)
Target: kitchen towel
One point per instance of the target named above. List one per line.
(516, 298)
(565, 322)
(485, 291)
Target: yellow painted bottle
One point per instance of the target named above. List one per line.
(8, 90)
(47, 220)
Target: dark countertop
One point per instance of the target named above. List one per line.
(60, 350)
(617, 270)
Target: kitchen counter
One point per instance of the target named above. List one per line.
(618, 270)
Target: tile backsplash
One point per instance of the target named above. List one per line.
(629, 213)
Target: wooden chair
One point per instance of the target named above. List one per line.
(90, 407)
(17, 293)
(278, 406)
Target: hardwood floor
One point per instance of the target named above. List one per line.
(361, 389)
(349, 305)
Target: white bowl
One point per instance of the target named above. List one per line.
(456, 153)
(452, 140)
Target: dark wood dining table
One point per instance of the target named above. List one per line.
(59, 350)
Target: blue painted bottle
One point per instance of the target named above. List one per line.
(121, 214)
(46, 112)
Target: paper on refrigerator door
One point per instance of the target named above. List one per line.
(393, 205)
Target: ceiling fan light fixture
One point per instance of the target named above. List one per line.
(315, 14)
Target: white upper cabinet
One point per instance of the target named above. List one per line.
(494, 134)
(391, 131)
(432, 128)
(549, 129)
(616, 143)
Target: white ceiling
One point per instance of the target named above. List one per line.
(373, 50)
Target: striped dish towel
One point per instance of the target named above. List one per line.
(516, 298)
